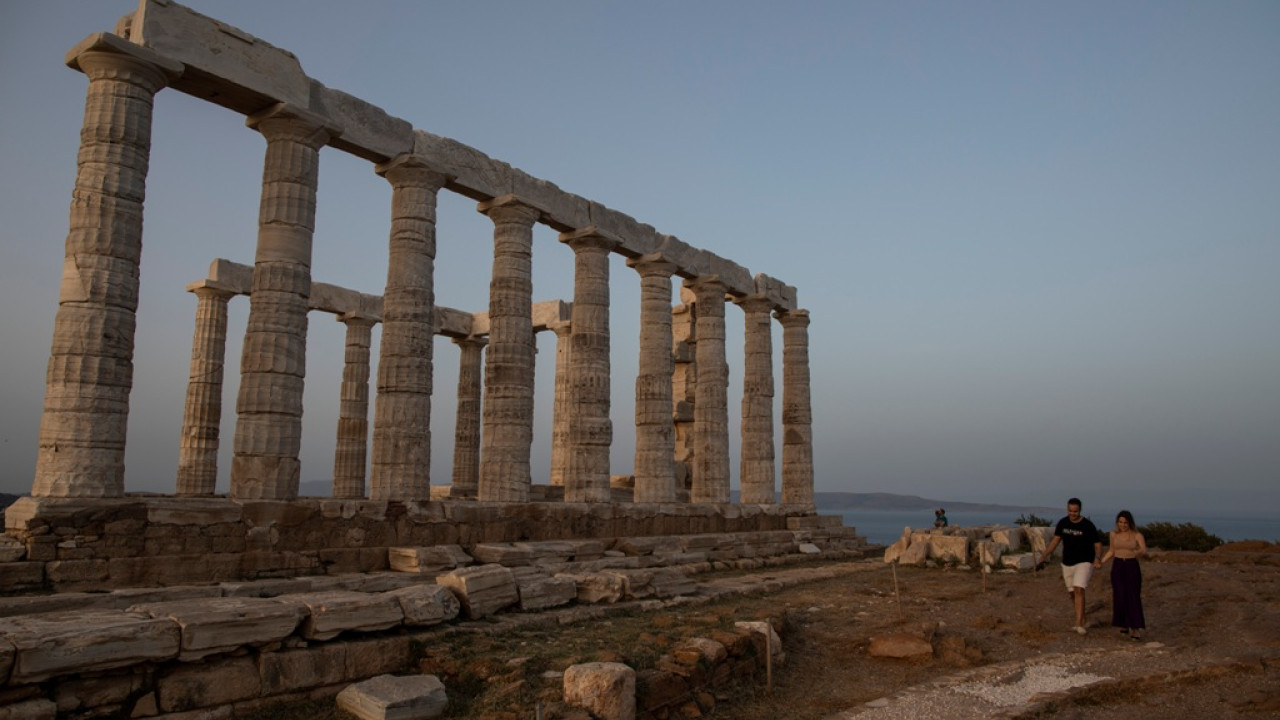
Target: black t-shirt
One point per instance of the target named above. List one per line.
(1078, 539)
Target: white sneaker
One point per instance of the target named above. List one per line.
(1080, 629)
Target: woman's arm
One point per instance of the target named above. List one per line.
(1142, 545)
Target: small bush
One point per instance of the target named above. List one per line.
(1033, 520)
(1185, 536)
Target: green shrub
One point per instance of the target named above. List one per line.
(1033, 520)
(1185, 536)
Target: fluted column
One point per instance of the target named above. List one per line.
(655, 426)
(711, 403)
(756, 472)
(560, 406)
(590, 428)
(202, 416)
(466, 433)
(797, 413)
(509, 362)
(401, 467)
(351, 450)
(86, 399)
(272, 367)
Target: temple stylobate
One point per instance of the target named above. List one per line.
(681, 389)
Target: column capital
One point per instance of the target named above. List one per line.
(212, 288)
(285, 121)
(754, 303)
(562, 328)
(471, 341)
(705, 284)
(793, 318)
(510, 209)
(357, 318)
(590, 238)
(103, 55)
(653, 265)
(412, 170)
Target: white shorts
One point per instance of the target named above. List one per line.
(1077, 576)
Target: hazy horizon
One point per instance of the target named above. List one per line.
(1040, 243)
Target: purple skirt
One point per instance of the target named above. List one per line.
(1126, 594)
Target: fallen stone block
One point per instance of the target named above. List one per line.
(597, 587)
(503, 554)
(431, 559)
(808, 549)
(540, 593)
(606, 690)
(36, 709)
(989, 552)
(391, 697)
(1011, 537)
(1022, 562)
(648, 545)
(548, 551)
(335, 611)
(52, 644)
(669, 582)
(949, 548)
(217, 625)
(482, 590)
(426, 604)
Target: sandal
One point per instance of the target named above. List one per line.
(1124, 631)
(1136, 637)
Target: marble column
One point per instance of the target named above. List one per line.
(797, 413)
(90, 374)
(560, 406)
(352, 447)
(711, 403)
(756, 472)
(401, 465)
(655, 426)
(202, 416)
(273, 365)
(466, 433)
(590, 428)
(509, 362)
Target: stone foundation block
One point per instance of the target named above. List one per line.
(949, 548)
(387, 697)
(190, 687)
(333, 612)
(426, 604)
(218, 625)
(21, 575)
(53, 644)
(542, 592)
(95, 694)
(302, 668)
(482, 590)
(1011, 537)
(503, 554)
(597, 587)
(377, 656)
(431, 559)
(606, 690)
(36, 709)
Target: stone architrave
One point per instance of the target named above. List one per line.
(351, 450)
(756, 472)
(560, 406)
(590, 429)
(509, 362)
(655, 426)
(401, 467)
(273, 363)
(466, 432)
(711, 406)
(86, 399)
(202, 417)
(797, 412)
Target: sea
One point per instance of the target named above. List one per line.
(884, 527)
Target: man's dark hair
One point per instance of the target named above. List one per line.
(1075, 501)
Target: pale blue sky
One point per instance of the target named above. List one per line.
(1040, 241)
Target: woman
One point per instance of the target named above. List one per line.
(1126, 546)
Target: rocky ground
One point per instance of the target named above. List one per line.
(1001, 646)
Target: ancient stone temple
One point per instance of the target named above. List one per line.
(131, 564)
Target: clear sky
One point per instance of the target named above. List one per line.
(1040, 242)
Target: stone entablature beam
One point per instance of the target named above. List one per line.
(90, 374)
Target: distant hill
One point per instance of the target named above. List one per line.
(892, 502)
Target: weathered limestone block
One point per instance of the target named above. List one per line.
(21, 575)
(1022, 562)
(7, 652)
(96, 695)
(637, 584)
(917, 552)
(770, 636)
(606, 690)
(597, 587)
(695, 650)
(202, 685)
(52, 644)
(587, 550)
(34, 709)
(899, 645)
(539, 592)
(669, 582)
(988, 552)
(377, 656)
(266, 588)
(653, 545)
(426, 604)
(303, 668)
(1011, 537)
(548, 551)
(431, 559)
(659, 689)
(217, 625)
(482, 590)
(1040, 537)
(332, 612)
(809, 548)
(949, 548)
(388, 697)
(502, 554)
(11, 549)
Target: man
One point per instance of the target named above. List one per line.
(1081, 546)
